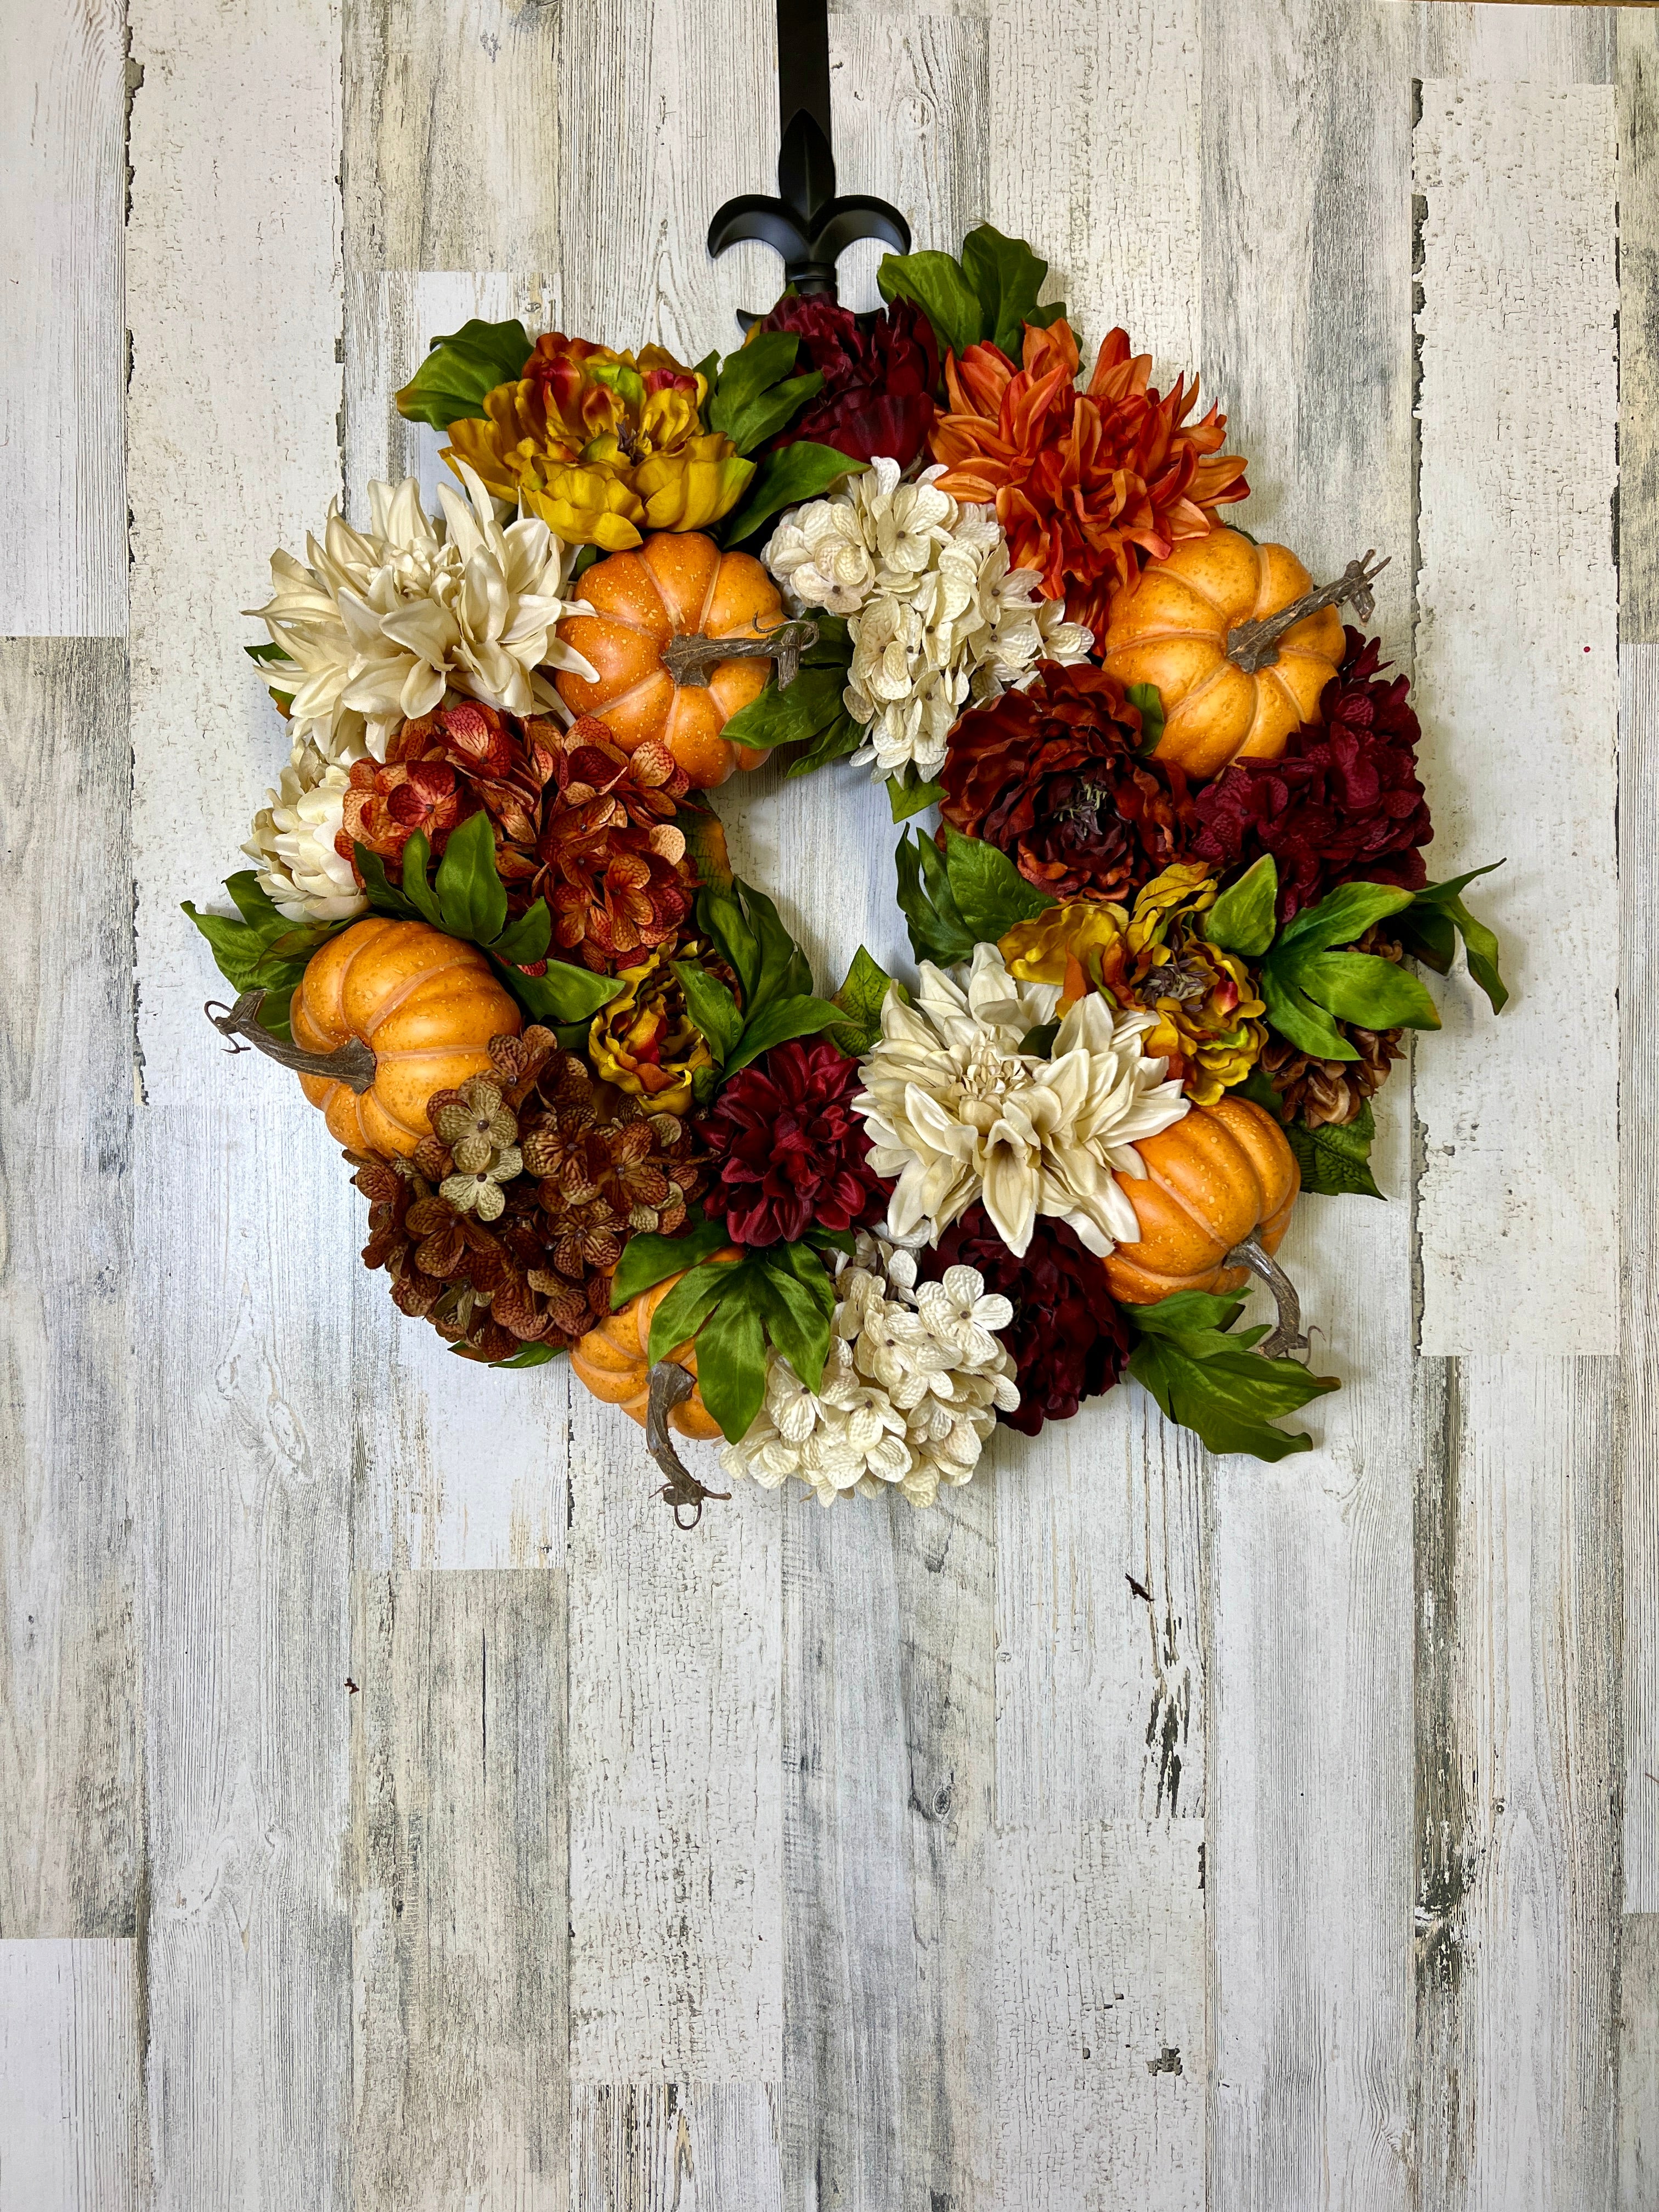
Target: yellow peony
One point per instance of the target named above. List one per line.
(645, 1041)
(604, 447)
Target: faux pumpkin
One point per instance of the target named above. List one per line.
(425, 1008)
(1220, 1174)
(660, 616)
(1207, 626)
(614, 1362)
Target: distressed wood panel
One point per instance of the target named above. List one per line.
(1638, 2063)
(62, 565)
(460, 1927)
(1495, 42)
(1638, 324)
(71, 2102)
(1517, 1917)
(454, 115)
(70, 1842)
(675, 2147)
(1102, 2055)
(1517, 658)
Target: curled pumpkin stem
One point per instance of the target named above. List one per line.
(1287, 1337)
(1254, 646)
(671, 1386)
(688, 659)
(351, 1063)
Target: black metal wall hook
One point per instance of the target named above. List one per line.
(809, 224)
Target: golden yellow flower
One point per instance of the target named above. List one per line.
(644, 1042)
(1080, 945)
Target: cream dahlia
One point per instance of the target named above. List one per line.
(300, 868)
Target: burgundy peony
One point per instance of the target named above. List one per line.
(789, 1153)
(1068, 1340)
(878, 379)
(1342, 801)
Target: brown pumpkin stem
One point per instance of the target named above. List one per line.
(1287, 1337)
(351, 1063)
(671, 1386)
(688, 659)
(1254, 646)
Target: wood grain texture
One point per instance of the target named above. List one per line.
(675, 2147)
(70, 1770)
(1638, 2063)
(1307, 257)
(72, 2100)
(453, 118)
(1491, 41)
(1638, 324)
(460, 1928)
(63, 564)
(1517, 1914)
(1517, 650)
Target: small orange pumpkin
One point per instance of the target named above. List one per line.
(425, 1005)
(678, 586)
(614, 1362)
(1173, 628)
(1218, 1176)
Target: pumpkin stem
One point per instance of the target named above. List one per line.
(671, 1385)
(1287, 1337)
(688, 659)
(1254, 646)
(351, 1063)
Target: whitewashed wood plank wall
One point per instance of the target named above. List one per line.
(397, 1813)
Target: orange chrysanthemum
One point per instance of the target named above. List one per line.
(1087, 485)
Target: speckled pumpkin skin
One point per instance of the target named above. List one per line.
(1211, 1178)
(614, 1362)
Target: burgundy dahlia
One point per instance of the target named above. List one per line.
(789, 1153)
(879, 378)
(1343, 800)
(1068, 1340)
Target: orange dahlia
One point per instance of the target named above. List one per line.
(1087, 485)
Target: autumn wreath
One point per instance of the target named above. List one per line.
(582, 1073)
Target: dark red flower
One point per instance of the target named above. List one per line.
(878, 379)
(789, 1153)
(1068, 1340)
(1343, 800)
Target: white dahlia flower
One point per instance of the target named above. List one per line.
(956, 1111)
(383, 622)
(293, 842)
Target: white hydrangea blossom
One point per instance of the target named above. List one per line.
(383, 622)
(938, 618)
(911, 1387)
(293, 842)
(955, 1110)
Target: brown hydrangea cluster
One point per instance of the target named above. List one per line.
(505, 1227)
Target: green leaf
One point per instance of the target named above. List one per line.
(1150, 700)
(838, 737)
(1186, 1314)
(755, 395)
(711, 1007)
(776, 1022)
(1006, 278)
(796, 1319)
(937, 932)
(1356, 986)
(720, 916)
(1428, 926)
(534, 1355)
(649, 1260)
(471, 895)
(451, 381)
(908, 798)
(1295, 1016)
(797, 715)
(732, 1363)
(256, 905)
(563, 995)
(417, 855)
(525, 939)
(990, 892)
(1039, 1043)
(1215, 1384)
(1242, 919)
(1342, 916)
(938, 287)
(237, 946)
(382, 897)
(783, 971)
(786, 476)
(266, 655)
(860, 998)
(686, 1307)
(1336, 1162)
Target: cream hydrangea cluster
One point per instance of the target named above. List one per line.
(300, 868)
(384, 621)
(958, 1110)
(911, 1388)
(937, 618)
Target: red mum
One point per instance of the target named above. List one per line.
(879, 378)
(789, 1153)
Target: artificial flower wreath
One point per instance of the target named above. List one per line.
(582, 1073)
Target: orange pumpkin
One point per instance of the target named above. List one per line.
(1172, 630)
(424, 1004)
(614, 1362)
(679, 585)
(1218, 1176)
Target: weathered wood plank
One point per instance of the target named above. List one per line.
(1639, 2062)
(1638, 324)
(460, 1931)
(71, 2101)
(1517, 661)
(63, 564)
(1495, 43)
(1307, 274)
(675, 2147)
(1517, 1913)
(69, 1773)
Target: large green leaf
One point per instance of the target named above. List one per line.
(1242, 919)
(937, 284)
(937, 932)
(786, 476)
(648, 1259)
(1335, 1163)
(692, 1299)
(860, 998)
(913, 798)
(712, 1008)
(1295, 1016)
(1438, 916)
(526, 941)
(755, 396)
(1006, 276)
(470, 897)
(378, 888)
(732, 1360)
(1341, 916)
(1150, 700)
(1214, 1382)
(990, 892)
(1357, 987)
(797, 715)
(796, 1319)
(417, 890)
(563, 995)
(776, 1021)
(451, 381)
